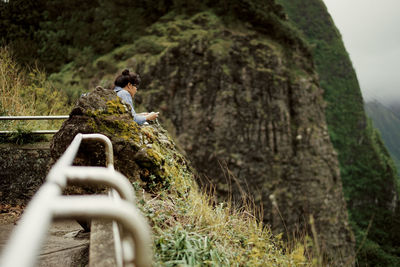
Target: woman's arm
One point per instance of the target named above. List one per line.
(125, 96)
(152, 116)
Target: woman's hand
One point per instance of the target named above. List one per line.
(152, 116)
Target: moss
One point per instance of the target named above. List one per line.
(206, 19)
(220, 48)
(148, 44)
(163, 168)
(150, 134)
(172, 169)
(123, 52)
(155, 156)
(115, 107)
(106, 65)
(102, 122)
(226, 70)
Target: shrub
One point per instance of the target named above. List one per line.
(27, 92)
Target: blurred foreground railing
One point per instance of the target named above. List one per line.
(12, 118)
(131, 231)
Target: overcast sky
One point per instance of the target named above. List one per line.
(371, 33)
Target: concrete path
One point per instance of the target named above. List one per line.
(5, 231)
(65, 244)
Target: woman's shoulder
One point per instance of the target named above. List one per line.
(123, 93)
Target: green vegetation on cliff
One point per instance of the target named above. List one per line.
(387, 120)
(84, 30)
(368, 173)
(68, 42)
(27, 92)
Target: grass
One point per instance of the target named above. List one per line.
(26, 92)
(193, 230)
(11, 83)
(21, 137)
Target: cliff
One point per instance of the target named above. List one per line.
(249, 114)
(368, 173)
(387, 121)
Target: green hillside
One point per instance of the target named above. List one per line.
(388, 124)
(368, 174)
(395, 108)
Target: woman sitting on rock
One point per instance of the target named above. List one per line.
(126, 86)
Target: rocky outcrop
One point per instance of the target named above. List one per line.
(144, 154)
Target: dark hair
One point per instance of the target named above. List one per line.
(126, 77)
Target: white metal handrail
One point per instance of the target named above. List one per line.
(52, 117)
(130, 226)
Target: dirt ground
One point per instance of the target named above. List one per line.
(10, 214)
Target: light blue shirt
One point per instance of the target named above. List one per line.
(127, 98)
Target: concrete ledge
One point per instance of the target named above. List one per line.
(22, 171)
(101, 252)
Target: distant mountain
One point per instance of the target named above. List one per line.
(395, 108)
(387, 120)
(368, 173)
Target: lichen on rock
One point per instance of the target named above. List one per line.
(144, 154)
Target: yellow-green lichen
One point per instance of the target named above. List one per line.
(167, 168)
(154, 156)
(103, 123)
(115, 107)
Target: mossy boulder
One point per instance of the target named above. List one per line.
(145, 154)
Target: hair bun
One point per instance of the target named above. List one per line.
(125, 72)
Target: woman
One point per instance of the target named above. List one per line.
(126, 86)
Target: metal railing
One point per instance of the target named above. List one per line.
(132, 234)
(58, 117)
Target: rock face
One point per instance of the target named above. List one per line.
(250, 116)
(22, 171)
